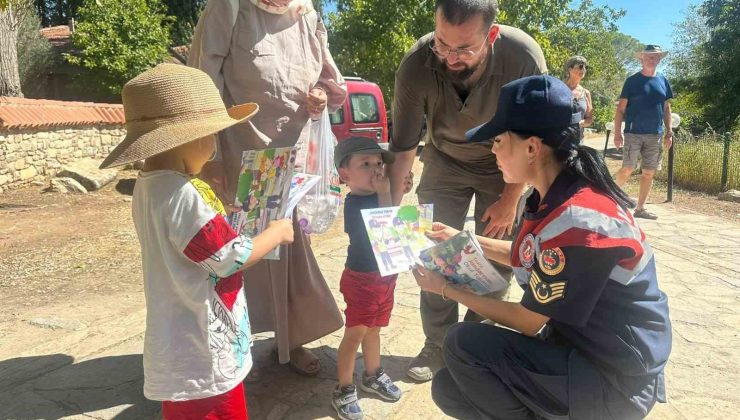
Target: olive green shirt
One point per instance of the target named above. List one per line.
(423, 89)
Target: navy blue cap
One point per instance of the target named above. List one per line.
(536, 104)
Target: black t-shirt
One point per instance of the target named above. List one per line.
(360, 255)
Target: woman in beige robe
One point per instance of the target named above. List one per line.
(257, 51)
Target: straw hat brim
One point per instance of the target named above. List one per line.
(146, 139)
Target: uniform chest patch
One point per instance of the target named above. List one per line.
(545, 293)
(552, 261)
(526, 251)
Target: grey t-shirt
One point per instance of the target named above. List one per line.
(423, 89)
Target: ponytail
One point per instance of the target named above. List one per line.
(589, 165)
(582, 161)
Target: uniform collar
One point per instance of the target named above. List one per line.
(563, 188)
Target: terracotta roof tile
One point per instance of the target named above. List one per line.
(36, 113)
(57, 36)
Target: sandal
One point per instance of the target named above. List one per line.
(304, 362)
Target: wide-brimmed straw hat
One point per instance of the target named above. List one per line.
(170, 105)
(653, 49)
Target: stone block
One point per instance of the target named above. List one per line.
(66, 185)
(19, 164)
(4, 179)
(106, 139)
(28, 173)
(731, 195)
(86, 172)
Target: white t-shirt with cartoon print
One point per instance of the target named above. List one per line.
(197, 327)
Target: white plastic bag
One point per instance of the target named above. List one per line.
(318, 209)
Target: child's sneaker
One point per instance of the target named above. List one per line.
(344, 400)
(381, 384)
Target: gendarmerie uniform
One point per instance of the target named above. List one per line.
(582, 261)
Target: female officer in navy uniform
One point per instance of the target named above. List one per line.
(591, 335)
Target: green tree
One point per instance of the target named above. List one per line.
(185, 13)
(35, 56)
(368, 38)
(56, 12)
(118, 39)
(12, 15)
(719, 83)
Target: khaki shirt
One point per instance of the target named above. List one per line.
(423, 89)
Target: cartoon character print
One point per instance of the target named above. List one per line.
(227, 338)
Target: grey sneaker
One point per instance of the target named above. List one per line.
(344, 400)
(644, 214)
(380, 384)
(423, 367)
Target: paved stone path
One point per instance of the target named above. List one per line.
(96, 372)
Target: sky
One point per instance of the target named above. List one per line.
(650, 21)
(649, 25)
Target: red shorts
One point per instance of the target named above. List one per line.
(228, 406)
(369, 298)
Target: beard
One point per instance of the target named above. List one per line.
(462, 75)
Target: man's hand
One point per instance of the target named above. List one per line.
(441, 232)
(618, 140)
(500, 217)
(408, 183)
(668, 140)
(316, 102)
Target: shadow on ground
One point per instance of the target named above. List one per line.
(52, 386)
(59, 388)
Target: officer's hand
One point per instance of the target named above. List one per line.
(441, 232)
(500, 217)
(429, 281)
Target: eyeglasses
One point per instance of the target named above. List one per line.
(579, 66)
(443, 51)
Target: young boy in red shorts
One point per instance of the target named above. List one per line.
(369, 296)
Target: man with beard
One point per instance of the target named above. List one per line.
(451, 78)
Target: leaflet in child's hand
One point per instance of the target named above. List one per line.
(397, 235)
(461, 260)
(262, 191)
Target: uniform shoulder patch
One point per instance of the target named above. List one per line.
(526, 251)
(545, 293)
(552, 261)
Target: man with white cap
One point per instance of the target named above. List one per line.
(645, 108)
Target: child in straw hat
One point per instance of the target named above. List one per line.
(196, 347)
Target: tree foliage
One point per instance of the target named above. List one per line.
(185, 14)
(35, 56)
(368, 37)
(118, 39)
(703, 65)
(56, 12)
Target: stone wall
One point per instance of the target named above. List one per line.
(28, 155)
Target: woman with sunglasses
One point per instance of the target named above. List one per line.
(591, 335)
(575, 71)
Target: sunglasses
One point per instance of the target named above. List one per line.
(579, 66)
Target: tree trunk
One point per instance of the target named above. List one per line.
(10, 81)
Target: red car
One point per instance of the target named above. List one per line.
(363, 113)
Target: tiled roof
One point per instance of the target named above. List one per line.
(57, 35)
(36, 113)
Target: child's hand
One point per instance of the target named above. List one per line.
(408, 182)
(380, 182)
(283, 228)
(441, 232)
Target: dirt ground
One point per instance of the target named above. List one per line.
(64, 247)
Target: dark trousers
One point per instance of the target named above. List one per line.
(495, 373)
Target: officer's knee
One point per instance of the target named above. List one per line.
(473, 339)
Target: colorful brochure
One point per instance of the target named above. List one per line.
(397, 235)
(460, 259)
(262, 191)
